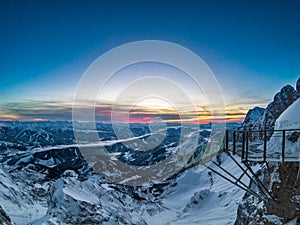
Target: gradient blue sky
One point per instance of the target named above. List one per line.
(253, 47)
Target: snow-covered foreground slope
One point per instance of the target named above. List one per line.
(29, 196)
(18, 201)
(201, 197)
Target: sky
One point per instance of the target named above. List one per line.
(252, 47)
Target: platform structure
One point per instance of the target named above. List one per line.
(253, 145)
(248, 147)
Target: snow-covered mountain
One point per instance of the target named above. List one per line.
(252, 115)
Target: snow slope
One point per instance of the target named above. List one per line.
(201, 198)
(193, 197)
(289, 119)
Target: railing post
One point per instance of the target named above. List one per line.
(265, 145)
(234, 143)
(283, 145)
(250, 133)
(247, 145)
(227, 141)
(243, 146)
(260, 133)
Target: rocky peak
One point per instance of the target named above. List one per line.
(285, 95)
(253, 115)
(282, 100)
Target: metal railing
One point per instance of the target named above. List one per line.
(252, 145)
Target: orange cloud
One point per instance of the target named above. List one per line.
(8, 117)
(39, 110)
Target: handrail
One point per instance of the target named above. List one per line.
(243, 139)
(296, 129)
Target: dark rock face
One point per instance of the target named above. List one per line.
(4, 218)
(294, 137)
(286, 193)
(298, 85)
(282, 100)
(252, 211)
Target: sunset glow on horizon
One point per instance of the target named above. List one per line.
(140, 114)
(47, 46)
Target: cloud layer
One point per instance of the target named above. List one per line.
(62, 110)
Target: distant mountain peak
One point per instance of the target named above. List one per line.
(281, 101)
(253, 115)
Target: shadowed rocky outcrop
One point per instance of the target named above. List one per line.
(4, 218)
